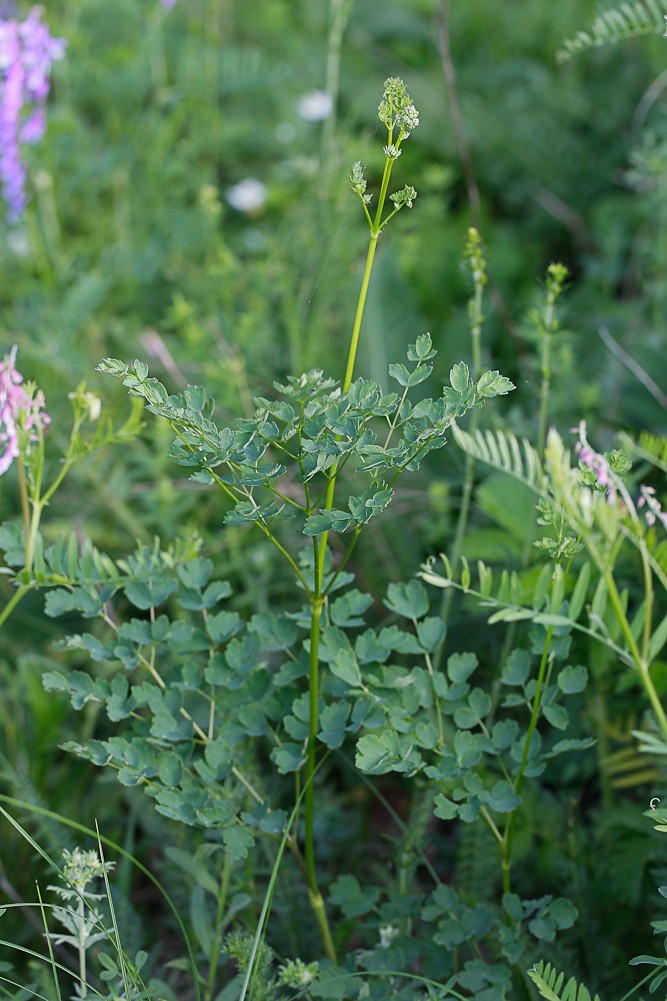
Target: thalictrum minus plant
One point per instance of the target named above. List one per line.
(316, 429)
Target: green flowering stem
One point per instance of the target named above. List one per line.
(361, 304)
(556, 277)
(395, 110)
(375, 226)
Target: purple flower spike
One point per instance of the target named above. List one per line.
(27, 52)
(21, 409)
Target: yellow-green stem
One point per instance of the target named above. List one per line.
(640, 662)
(361, 304)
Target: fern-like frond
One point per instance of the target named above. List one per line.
(504, 594)
(549, 983)
(503, 451)
(628, 20)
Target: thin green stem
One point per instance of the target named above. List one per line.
(316, 900)
(361, 304)
(392, 426)
(640, 662)
(343, 562)
(510, 824)
(546, 377)
(219, 929)
(25, 502)
(476, 320)
(81, 916)
(17, 596)
(313, 699)
(648, 601)
(436, 700)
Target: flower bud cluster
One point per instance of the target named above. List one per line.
(21, 410)
(396, 108)
(405, 196)
(83, 866)
(27, 52)
(473, 255)
(358, 182)
(557, 275)
(596, 468)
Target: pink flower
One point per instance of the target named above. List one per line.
(594, 460)
(21, 410)
(653, 508)
(27, 51)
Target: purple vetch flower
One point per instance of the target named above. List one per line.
(27, 52)
(591, 459)
(21, 410)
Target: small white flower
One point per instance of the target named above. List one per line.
(387, 935)
(314, 106)
(392, 152)
(409, 119)
(249, 195)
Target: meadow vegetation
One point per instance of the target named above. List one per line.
(333, 557)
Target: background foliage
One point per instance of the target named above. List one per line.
(130, 248)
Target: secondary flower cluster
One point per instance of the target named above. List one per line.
(21, 409)
(604, 472)
(600, 475)
(395, 111)
(27, 52)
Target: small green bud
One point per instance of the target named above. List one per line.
(563, 548)
(557, 275)
(406, 196)
(358, 182)
(85, 403)
(619, 461)
(295, 973)
(474, 257)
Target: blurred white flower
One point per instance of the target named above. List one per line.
(249, 195)
(314, 106)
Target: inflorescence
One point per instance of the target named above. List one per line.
(27, 52)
